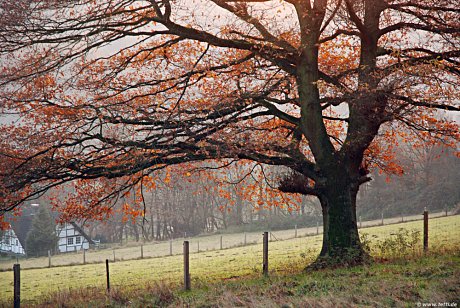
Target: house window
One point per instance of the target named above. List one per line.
(17, 244)
(7, 241)
(78, 240)
(70, 241)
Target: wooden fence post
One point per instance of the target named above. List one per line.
(265, 255)
(425, 230)
(84, 256)
(382, 219)
(245, 239)
(295, 234)
(142, 251)
(17, 285)
(221, 242)
(107, 274)
(198, 244)
(49, 258)
(186, 266)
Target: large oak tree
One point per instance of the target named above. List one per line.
(103, 93)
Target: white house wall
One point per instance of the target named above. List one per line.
(10, 243)
(68, 239)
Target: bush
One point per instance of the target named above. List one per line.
(400, 244)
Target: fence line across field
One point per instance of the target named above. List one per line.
(202, 243)
(186, 262)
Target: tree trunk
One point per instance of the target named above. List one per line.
(239, 210)
(136, 231)
(341, 243)
(152, 226)
(224, 217)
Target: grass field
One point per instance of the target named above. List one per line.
(208, 267)
(160, 249)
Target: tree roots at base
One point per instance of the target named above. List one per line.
(349, 259)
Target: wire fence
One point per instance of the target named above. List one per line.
(197, 244)
(287, 252)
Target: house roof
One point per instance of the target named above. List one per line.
(83, 233)
(21, 226)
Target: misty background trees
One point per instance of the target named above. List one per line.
(431, 177)
(189, 208)
(194, 205)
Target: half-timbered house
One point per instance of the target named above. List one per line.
(72, 237)
(10, 243)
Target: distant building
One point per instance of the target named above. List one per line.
(13, 241)
(10, 243)
(72, 238)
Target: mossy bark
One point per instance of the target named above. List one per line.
(341, 243)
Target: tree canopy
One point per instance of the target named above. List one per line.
(103, 94)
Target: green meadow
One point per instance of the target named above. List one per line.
(287, 258)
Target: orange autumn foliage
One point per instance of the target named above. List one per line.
(102, 109)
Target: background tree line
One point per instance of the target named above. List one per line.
(203, 204)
